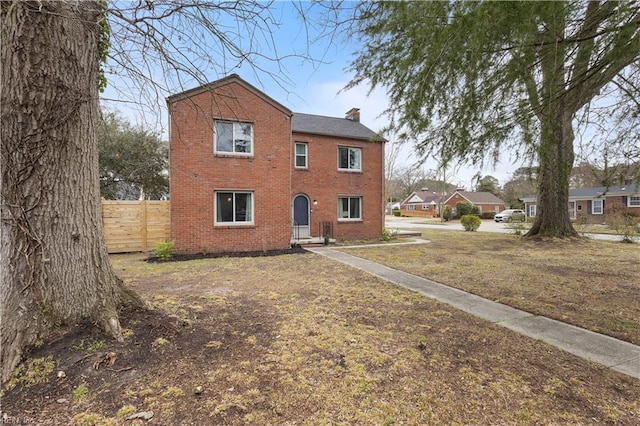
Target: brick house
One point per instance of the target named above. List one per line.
(595, 203)
(486, 201)
(247, 174)
(423, 203)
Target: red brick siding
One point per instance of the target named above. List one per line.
(322, 181)
(196, 173)
(457, 198)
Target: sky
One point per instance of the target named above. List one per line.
(301, 85)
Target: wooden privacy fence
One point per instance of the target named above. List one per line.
(135, 225)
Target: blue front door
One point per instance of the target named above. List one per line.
(301, 216)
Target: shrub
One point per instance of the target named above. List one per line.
(463, 208)
(387, 234)
(581, 225)
(470, 222)
(516, 217)
(447, 213)
(396, 212)
(164, 251)
(517, 227)
(487, 215)
(626, 225)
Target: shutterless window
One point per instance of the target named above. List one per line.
(233, 137)
(234, 207)
(349, 208)
(301, 155)
(349, 158)
(634, 201)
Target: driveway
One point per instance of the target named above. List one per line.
(415, 223)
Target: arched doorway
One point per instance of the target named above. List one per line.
(301, 216)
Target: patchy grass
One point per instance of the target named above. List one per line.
(591, 284)
(300, 339)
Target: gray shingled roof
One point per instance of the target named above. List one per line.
(586, 193)
(331, 126)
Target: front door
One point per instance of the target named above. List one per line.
(300, 217)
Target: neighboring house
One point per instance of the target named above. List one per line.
(486, 201)
(422, 203)
(247, 174)
(595, 203)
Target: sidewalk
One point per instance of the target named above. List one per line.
(615, 354)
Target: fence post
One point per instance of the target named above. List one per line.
(143, 229)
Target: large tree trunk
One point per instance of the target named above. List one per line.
(556, 162)
(54, 266)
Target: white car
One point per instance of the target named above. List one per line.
(510, 216)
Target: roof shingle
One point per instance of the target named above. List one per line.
(332, 126)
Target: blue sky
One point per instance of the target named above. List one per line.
(302, 85)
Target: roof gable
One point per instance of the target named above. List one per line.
(477, 197)
(233, 78)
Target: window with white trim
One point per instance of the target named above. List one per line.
(596, 207)
(633, 201)
(349, 208)
(425, 206)
(233, 138)
(302, 150)
(349, 158)
(233, 207)
(411, 206)
(532, 210)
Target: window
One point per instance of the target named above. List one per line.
(532, 210)
(596, 207)
(234, 207)
(633, 201)
(301, 155)
(425, 206)
(234, 138)
(349, 158)
(411, 206)
(349, 208)
(579, 207)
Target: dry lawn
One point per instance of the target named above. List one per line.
(302, 340)
(588, 283)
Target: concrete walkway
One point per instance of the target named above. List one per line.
(612, 353)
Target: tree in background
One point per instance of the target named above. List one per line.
(133, 162)
(469, 79)
(489, 184)
(523, 183)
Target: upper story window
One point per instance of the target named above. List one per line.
(302, 150)
(350, 158)
(233, 138)
(234, 208)
(633, 201)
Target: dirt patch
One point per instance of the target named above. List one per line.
(303, 340)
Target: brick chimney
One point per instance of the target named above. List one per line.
(353, 114)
